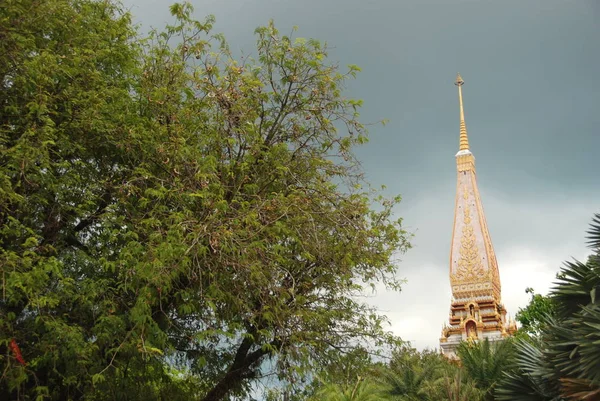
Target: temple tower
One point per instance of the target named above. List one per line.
(476, 310)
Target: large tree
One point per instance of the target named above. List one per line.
(176, 222)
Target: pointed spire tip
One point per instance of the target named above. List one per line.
(459, 81)
(464, 140)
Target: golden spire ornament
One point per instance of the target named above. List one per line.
(464, 140)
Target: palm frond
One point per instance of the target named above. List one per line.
(529, 382)
(580, 390)
(486, 362)
(575, 287)
(573, 345)
(593, 238)
(361, 390)
(566, 362)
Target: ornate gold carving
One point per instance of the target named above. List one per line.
(469, 268)
(491, 256)
(445, 331)
(465, 163)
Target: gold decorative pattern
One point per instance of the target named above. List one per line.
(492, 262)
(465, 163)
(469, 263)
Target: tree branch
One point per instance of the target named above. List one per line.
(243, 367)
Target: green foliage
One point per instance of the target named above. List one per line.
(427, 375)
(565, 362)
(453, 384)
(528, 381)
(486, 363)
(175, 223)
(345, 368)
(594, 234)
(409, 373)
(535, 315)
(361, 390)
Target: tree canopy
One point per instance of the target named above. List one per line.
(176, 223)
(409, 375)
(535, 314)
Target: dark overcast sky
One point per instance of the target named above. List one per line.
(532, 100)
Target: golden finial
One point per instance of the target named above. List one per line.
(464, 140)
(459, 81)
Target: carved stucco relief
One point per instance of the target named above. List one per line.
(469, 251)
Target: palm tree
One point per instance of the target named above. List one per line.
(485, 363)
(408, 375)
(574, 337)
(565, 363)
(361, 390)
(528, 381)
(405, 385)
(453, 385)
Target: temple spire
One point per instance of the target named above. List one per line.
(476, 310)
(464, 139)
